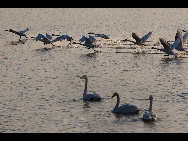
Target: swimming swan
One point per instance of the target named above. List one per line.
(86, 96)
(126, 109)
(150, 116)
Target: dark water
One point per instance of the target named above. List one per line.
(40, 91)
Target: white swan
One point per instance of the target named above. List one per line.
(86, 96)
(168, 49)
(63, 37)
(141, 41)
(89, 42)
(45, 39)
(126, 109)
(181, 40)
(48, 38)
(90, 38)
(178, 44)
(20, 33)
(150, 116)
(100, 35)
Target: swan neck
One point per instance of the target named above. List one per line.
(85, 89)
(118, 101)
(181, 41)
(150, 106)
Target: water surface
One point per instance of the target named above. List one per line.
(40, 91)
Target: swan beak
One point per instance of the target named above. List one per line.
(112, 96)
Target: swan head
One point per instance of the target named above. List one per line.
(115, 94)
(84, 77)
(151, 97)
(9, 30)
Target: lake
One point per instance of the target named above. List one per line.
(41, 90)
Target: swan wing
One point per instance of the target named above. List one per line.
(128, 109)
(40, 37)
(144, 38)
(60, 38)
(180, 45)
(175, 44)
(91, 97)
(24, 31)
(101, 35)
(181, 40)
(83, 39)
(92, 39)
(185, 37)
(49, 37)
(43, 39)
(165, 44)
(13, 31)
(135, 36)
(180, 48)
(96, 95)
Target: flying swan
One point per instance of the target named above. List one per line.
(20, 33)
